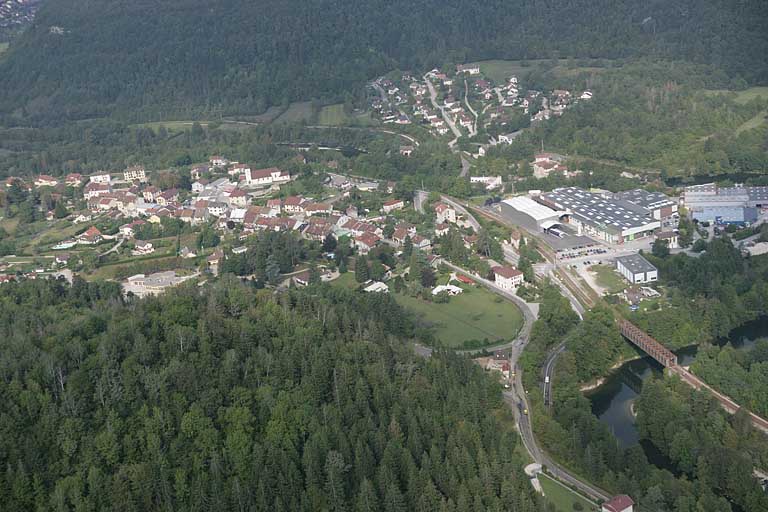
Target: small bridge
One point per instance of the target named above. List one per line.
(647, 344)
(669, 360)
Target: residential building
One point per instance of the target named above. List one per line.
(169, 196)
(450, 289)
(135, 173)
(90, 236)
(46, 181)
(442, 229)
(471, 69)
(620, 503)
(394, 204)
(218, 161)
(366, 242)
(100, 178)
(636, 269)
(143, 248)
(445, 213)
(150, 193)
(73, 180)
(239, 197)
(376, 287)
(507, 278)
(318, 209)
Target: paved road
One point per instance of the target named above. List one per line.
(461, 209)
(464, 167)
(113, 249)
(446, 117)
(473, 129)
(419, 198)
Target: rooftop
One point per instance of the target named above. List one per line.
(596, 209)
(635, 263)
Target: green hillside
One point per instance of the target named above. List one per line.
(147, 60)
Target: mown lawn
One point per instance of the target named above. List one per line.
(334, 115)
(563, 498)
(476, 314)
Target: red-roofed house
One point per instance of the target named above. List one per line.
(620, 503)
(507, 278)
(239, 198)
(90, 237)
(167, 197)
(294, 204)
(365, 242)
(46, 181)
(395, 204)
(445, 213)
(73, 180)
(442, 229)
(318, 208)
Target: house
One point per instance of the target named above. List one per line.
(318, 209)
(129, 230)
(399, 236)
(62, 259)
(507, 278)
(187, 253)
(135, 173)
(199, 185)
(90, 236)
(406, 150)
(73, 180)
(671, 237)
(143, 248)
(197, 172)
(218, 161)
(445, 213)
(302, 278)
(365, 242)
(100, 178)
(46, 181)
(239, 250)
(419, 242)
(238, 197)
(394, 204)
(351, 211)
(450, 289)
(294, 204)
(586, 95)
(169, 196)
(318, 231)
(442, 229)
(636, 269)
(214, 260)
(238, 169)
(508, 138)
(376, 287)
(275, 204)
(471, 69)
(620, 503)
(217, 209)
(150, 194)
(264, 177)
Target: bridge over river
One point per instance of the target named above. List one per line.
(669, 360)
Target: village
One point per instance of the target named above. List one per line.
(462, 102)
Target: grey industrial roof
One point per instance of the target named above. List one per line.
(645, 199)
(635, 263)
(596, 209)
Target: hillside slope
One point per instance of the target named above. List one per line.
(143, 59)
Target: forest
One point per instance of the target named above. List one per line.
(144, 60)
(232, 398)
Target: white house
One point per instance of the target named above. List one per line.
(636, 269)
(507, 278)
(263, 177)
(376, 287)
(46, 181)
(135, 173)
(143, 248)
(394, 204)
(445, 213)
(449, 288)
(100, 178)
(218, 161)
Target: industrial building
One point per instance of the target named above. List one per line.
(613, 220)
(661, 207)
(725, 205)
(636, 269)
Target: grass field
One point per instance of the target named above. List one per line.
(744, 96)
(608, 278)
(3, 47)
(500, 70)
(563, 498)
(474, 315)
(755, 122)
(334, 115)
(296, 112)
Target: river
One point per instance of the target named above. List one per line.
(612, 401)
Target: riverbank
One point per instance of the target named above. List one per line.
(596, 383)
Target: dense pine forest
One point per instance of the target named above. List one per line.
(231, 398)
(143, 59)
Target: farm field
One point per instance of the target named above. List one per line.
(476, 314)
(296, 112)
(563, 498)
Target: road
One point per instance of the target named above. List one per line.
(459, 207)
(516, 395)
(464, 167)
(473, 130)
(113, 249)
(446, 117)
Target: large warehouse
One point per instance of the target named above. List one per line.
(725, 205)
(613, 220)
